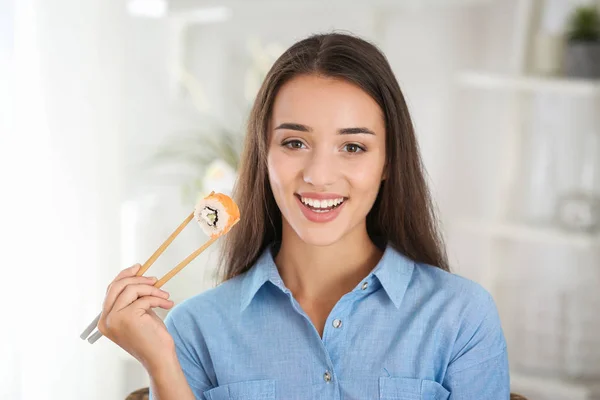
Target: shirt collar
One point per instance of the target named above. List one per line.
(262, 271)
(393, 271)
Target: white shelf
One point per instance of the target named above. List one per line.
(527, 233)
(553, 389)
(569, 86)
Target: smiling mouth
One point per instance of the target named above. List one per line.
(321, 206)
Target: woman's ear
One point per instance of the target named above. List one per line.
(384, 175)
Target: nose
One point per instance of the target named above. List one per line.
(320, 169)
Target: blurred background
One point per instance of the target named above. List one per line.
(116, 115)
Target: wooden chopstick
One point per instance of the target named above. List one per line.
(97, 335)
(84, 335)
(164, 246)
(90, 327)
(169, 275)
(191, 258)
(92, 339)
(184, 263)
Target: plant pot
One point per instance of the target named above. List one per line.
(582, 59)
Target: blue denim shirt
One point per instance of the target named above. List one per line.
(408, 331)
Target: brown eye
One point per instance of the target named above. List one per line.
(294, 144)
(353, 148)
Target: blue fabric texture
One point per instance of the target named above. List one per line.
(408, 331)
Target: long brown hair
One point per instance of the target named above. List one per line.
(403, 213)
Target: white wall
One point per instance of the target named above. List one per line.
(63, 197)
(102, 101)
(8, 349)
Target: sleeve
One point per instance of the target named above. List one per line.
(189, 348)
(479, 369)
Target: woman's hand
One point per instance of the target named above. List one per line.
(128, 320)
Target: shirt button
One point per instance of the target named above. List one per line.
(365, 285)
(327, 376)
(337, 323)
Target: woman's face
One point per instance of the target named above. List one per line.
(326, 157)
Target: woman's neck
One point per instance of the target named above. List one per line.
(318, 273)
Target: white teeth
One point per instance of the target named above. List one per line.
(314, 203)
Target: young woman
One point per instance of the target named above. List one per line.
(336, 283)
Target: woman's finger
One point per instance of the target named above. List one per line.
(132, 292)
(117, 288)
(148, 302)
(126, 273)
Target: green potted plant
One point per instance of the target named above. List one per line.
(583, 43)
(212, 153)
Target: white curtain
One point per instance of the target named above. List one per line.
(60, 166)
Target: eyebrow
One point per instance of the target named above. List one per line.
(343, 131)
(354, 131)
(294, 127)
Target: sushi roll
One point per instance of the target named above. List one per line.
(216, 214)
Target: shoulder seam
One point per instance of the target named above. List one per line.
(489, 306)
(503, 351)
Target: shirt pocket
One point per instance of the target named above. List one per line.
(246, 390)
(391, 388)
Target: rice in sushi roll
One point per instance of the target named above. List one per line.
(216, 214)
